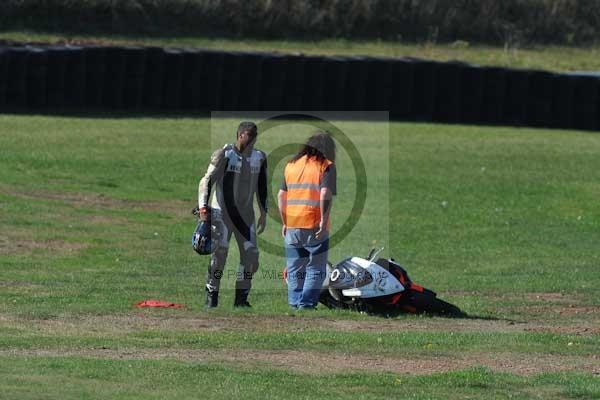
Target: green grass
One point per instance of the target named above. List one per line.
(83, 379)
(551, 58)
(94, 216)
(322, 341)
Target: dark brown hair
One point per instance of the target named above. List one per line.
(320, 146)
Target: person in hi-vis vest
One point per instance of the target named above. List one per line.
(305, 201)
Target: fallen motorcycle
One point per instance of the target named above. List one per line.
(379, 286)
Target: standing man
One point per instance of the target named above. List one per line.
(237, 172)
(305, 201)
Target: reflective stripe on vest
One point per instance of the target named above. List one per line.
(303, 179)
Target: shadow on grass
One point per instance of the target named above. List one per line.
(388, 314)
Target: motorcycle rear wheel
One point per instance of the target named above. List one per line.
(429, 303)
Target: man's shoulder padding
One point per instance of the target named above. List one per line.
(217, 156)
(260, 154)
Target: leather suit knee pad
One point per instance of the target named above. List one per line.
(251, 260)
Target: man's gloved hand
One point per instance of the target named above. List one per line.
(201, 212)
(262, 223)
(204, 213)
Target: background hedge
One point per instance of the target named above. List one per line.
(512, 22)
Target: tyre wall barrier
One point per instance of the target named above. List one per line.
(153, 86)
(494, 95)
(293, 85)
(517, 90)
(57, 77)
(16, 77)
(313, 93)
(36, 78)
(355, 79)
(173, 79)
(114, 78)
(94, 77)
(154, 79)
(230, 84)
(424, 89)
(4, 54)
(133, 85)
(585, 102)
(272, 80)
(210, 77)
(334, 84)
(248, 84)
(471, 95)
(75, 79)
(539, 99)
(446, 107)
(562, 105)
(378, 85)
(401, 91)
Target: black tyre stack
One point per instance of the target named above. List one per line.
(16, 78)
(425, 84)
(211, 76)
(133, 85)
(448, 91)
(356, 79)
(95, 59)
(154, 79)
(272, 82)
(494, 92)
(471, 95)
(75, 79)
(539, 99)
(517, 91)
(4, 55)
(36, 78)
(401, 90)
(586, 101)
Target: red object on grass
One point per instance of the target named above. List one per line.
(158, 303)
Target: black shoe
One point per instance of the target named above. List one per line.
(241, 299)
(212, 299)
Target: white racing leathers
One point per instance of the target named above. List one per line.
(234, 179)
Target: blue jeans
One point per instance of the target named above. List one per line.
(306, 259)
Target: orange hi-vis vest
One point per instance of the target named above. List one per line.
(303, 179)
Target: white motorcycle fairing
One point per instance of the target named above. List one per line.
(371, 280)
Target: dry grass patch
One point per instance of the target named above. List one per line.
(11, 246)
(175, 208)
(318, 363)
(144, 321)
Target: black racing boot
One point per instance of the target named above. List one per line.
(241, 298)
(212, 299)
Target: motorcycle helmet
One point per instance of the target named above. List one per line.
(201, 239)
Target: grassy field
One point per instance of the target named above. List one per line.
(94, 217)
(551, 58)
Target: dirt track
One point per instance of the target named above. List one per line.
(319, 363)
(312, 361)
